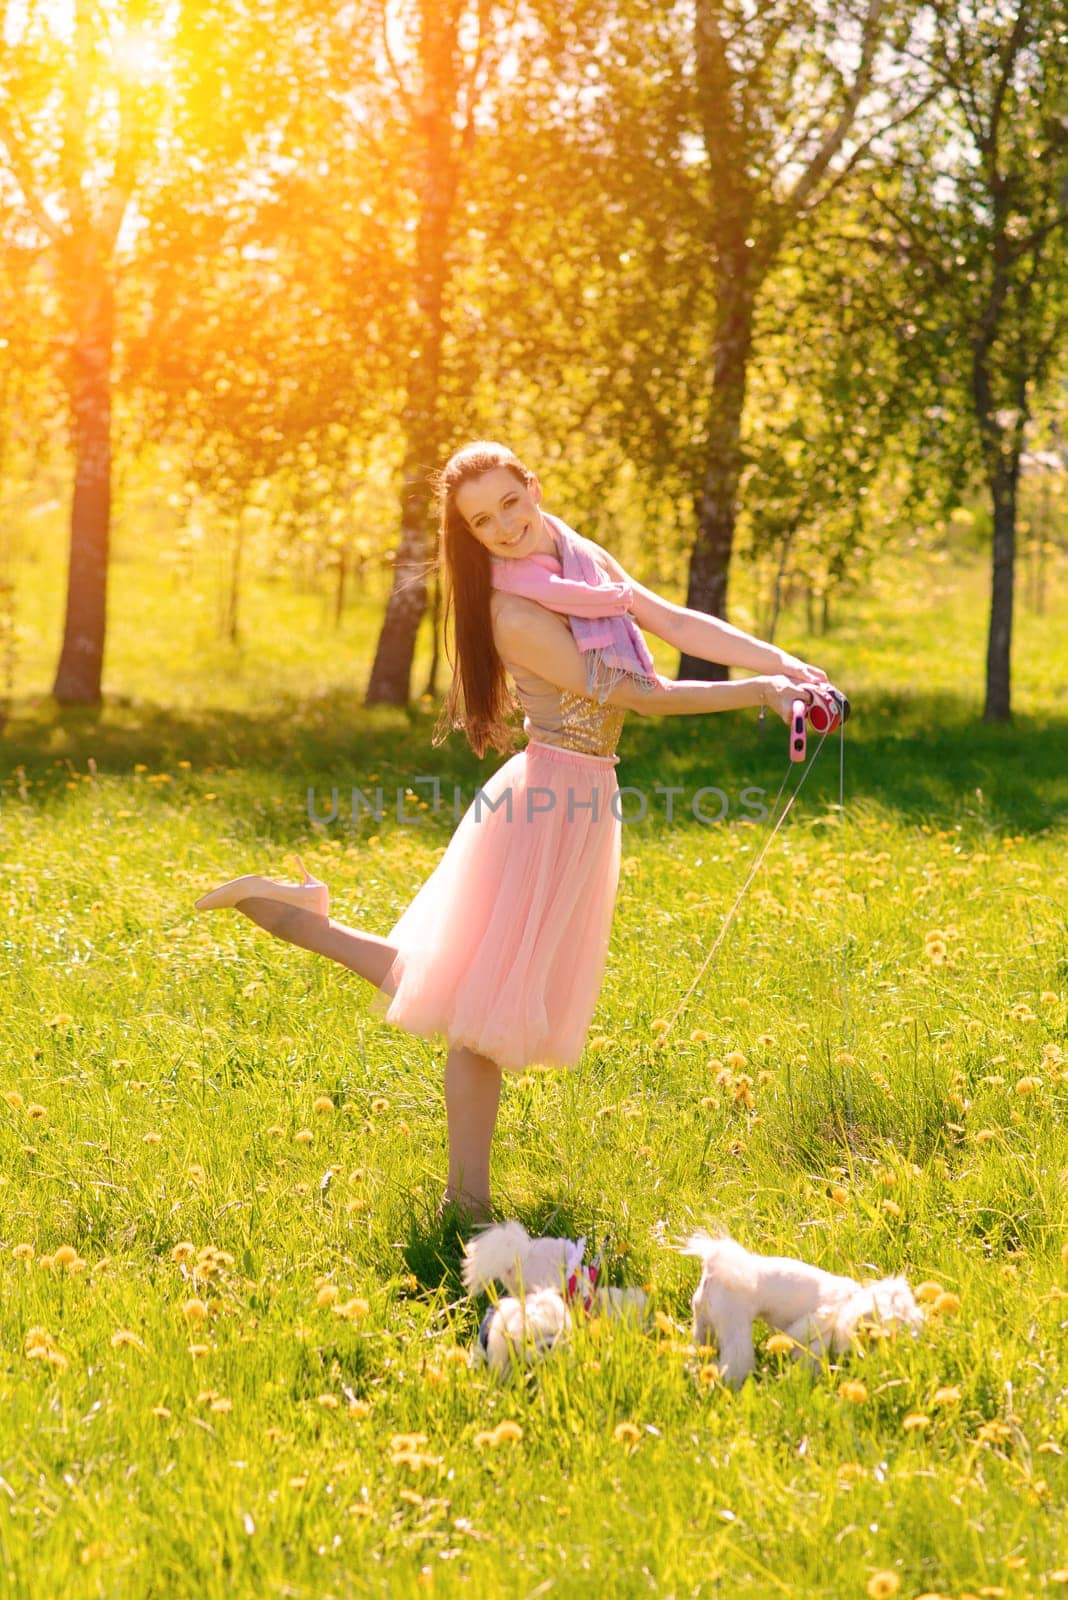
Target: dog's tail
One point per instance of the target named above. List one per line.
(728, 1262)
(494, 1255)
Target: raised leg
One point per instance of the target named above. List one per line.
(364, 953)
(472, 1095)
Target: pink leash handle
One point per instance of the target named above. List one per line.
(798, 729)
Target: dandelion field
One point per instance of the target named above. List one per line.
(233, 1343)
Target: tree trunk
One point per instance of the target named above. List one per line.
(81, 661)
(390, 682)
(998, 706)
(716, 506)
(391, 674)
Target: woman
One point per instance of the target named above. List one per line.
(502, 950)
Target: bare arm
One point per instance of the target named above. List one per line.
(542, 642)
(708, 638)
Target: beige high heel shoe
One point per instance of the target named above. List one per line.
(312, 894)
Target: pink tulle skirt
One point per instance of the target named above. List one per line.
(503, 948)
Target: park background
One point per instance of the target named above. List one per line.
(774, 301)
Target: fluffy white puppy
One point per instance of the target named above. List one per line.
(547, 1280)
(505, 1253)
(819, 1310)
(524, 1330)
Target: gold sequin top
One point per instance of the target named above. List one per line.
(568, 721)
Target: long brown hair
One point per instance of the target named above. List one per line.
(479, 701)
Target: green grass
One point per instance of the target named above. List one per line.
(175, 1059)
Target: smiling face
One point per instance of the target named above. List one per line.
(504, 514)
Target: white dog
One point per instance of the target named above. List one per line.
(523, 1330)
(546, 1279)
(819, 1310)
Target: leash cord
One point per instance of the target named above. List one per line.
(754, 869)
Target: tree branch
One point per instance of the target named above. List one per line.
(22, 172)
(808, 180)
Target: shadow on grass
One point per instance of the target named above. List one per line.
(923, 757)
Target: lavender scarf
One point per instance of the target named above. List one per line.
(595, 606)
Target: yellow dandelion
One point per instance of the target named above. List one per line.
(1048, 997)
(77, 1265)
(735, 1060)
(414, 1460)
(928, 1291)
(62, 1019)
(378, 1105)
(915, 1422)
(64, 1255)
(184, 1251)
(891, 1208)
(883, 1585)
(323, 1103)
(945, 1304)
(993, 1432)
(780, 1344)
(329, 1402)
(303, 1136)
(627, 1434)
(353, 1309)
(160, 1411)
(299, 1482)
(837, 1195)
(359, 1408)
(601, 1042)
(36, 1113)
(984, 1135)
(1028, 1085)
(13, 1098)
(660, 1025)
(709, 1375)
(23, 1252)
(197, 1351)
(854, 1391)
(221, 1404)
(408, 1441)
(508, 1433)
(698, 1036)
(1058, 1575)
(272, 1435)
(123, 1338)
(485, 1439)
(194, 1310)
(844, 1058)
(947, 1395)
(46, 1262)
(327, 1294)
(410, 1497)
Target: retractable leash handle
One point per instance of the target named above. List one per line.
(798, 735)
(827, 710)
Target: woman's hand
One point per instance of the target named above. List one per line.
(779, 692)
(799, 671)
